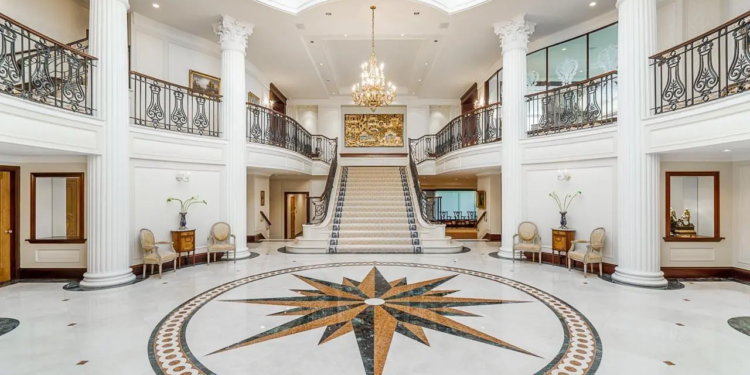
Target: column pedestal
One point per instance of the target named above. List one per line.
(514, 35)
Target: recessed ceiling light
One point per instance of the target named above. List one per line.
(416, 13)
(346, 35)
(420, 80)
(328, 13)
(312, 41)
(155, 5)
(321, 64)
(564, 49)
(727, 150)
(593, 3)
(402, 34)
(427, 63)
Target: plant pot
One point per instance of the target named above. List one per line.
(563, 220)
(183, 221)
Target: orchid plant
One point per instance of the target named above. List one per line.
(565, 203)
(185, 205)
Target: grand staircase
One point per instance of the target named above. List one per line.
(374, 212)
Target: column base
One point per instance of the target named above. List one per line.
(642, 279)
(508, 254)
(241, 254)
(92, 280)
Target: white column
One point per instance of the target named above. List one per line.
(638, 243)
(107, 178)
(233, 39)
(514, 36)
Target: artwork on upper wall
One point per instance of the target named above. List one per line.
(262, 198)
(374, 130)
(252, 98)
(481, 199)
(204, 83)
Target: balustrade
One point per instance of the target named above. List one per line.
(38, 68)
(711, 66)
(580, 105)
(162, 105)
(319, 205)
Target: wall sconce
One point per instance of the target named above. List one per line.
(563, 175)
(479, 103)
(183, 176)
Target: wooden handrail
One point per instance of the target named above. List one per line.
(600, 76)
(699, 37)
(211, 97)
(263, 215)
(40, 35)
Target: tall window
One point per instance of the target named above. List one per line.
(457, 200)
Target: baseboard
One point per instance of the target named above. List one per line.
(493, 237)
(186, 261)
(52, 273)
(741, 274)
(256, 238)
(697, 272)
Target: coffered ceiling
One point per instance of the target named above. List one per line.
(430, 48)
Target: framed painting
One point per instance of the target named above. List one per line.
(252, 98)
(481, 199)
(374, 130)
(262, 198)
(205, 84)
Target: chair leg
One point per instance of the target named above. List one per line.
(174, 265)
(568, 264)
(514, 255)
(159, 270)
(600, 268)
(144, 270)
(235, 255)
(584, 270)
(152, 269)
(208, 258)
(540, 258)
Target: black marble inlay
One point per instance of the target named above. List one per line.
(672, 284)
(75, 286)
(7, 325)
(741, 324)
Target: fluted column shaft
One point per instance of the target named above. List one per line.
(514, 35)
(107, 179)
(233, 39)
(638, 172)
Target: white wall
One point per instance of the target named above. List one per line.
(163, 52)
(740, 223)
(595, 207)
(255, 223)
(306, 115)
(152, 182)
(63, 20)
(490, 183)
(699, 254)
(440, 115)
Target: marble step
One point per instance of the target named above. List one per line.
(372, 214)
(370, 232)
(381, 197)
(402, 220)
(375, 241)
(383, 208)
(398, 201)
(373, 227)
(405, 249)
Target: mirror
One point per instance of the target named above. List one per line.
(57, 208)
(692, 206)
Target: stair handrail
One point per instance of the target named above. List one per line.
(263, 215)
(320, 204)
(426, 210)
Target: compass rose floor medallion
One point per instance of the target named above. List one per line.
(376, 318)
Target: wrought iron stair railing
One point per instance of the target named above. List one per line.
(580, 105)
(429, 207)
(38, 68)
(319, 205)
(480, 126)
(163, 105)
(268, 127)
(709, 67)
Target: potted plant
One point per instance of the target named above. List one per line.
(184, 207)
(563, 205)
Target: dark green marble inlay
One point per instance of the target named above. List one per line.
(7, 325)
(740, 323)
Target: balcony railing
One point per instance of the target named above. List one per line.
(709, 67)
(319, 205)
(268, 127)
(480, 126)
(429, 207)
(162, 105)
(580, 105)
(40, 69)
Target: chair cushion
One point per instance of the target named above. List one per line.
(221, 247)
(527, 247)
(527, 231)
(166, 256)
(579, 255)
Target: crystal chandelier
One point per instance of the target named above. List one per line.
(373, 91)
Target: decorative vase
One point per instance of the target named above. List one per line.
(563, 220)
(183, 221)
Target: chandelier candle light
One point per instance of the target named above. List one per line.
(563, 206)
(373, 91)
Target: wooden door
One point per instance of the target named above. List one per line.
(71, 207)
(6, 235)
(292, 215)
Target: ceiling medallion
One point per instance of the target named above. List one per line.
(372, 91)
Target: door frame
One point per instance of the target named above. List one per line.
(286, 209)
(15, 219)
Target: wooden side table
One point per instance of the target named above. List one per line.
(183, 241)
(561, 239)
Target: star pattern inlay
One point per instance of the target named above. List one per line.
(374, 309)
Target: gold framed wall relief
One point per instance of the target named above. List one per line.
(374, 130)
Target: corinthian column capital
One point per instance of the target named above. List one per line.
(515, 33)
(232, 33)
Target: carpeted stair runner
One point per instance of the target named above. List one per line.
(374, 212)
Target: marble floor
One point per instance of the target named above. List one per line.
(374, 314)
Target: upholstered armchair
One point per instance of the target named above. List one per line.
(593, 253)
(155, 254)
(219, 241)
(527, 240)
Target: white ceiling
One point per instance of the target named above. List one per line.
(289, 49)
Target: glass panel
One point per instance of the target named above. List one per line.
(567, 62)
(57, 207)
(493, 94)
(603, 51)
(536, 78)
(691, 202)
